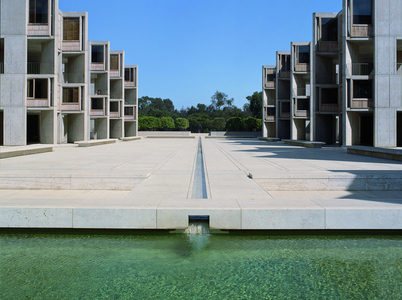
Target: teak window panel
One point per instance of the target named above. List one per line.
(37, 89)
(129, 74)
(114, 62)
(70, 95)
(38, 11)
(71, 29)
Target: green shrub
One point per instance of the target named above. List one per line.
(182, 124)
(148, 123)
(219, 124)
(167, 123)
(251, 124)
(235, 124)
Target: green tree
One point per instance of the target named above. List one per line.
(182, 124)
(219, 99)
(167, 123)
(219, 124)
(251, 124)
(148, 123)
(255, 104)
(197, 119)
(235, 124)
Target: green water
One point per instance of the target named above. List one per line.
(217, 266)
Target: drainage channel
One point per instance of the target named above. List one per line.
(199, 186)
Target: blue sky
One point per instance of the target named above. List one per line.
(188, 49)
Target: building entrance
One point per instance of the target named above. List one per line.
(33, 129)
(366, 130)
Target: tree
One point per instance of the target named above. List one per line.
(182, 124)
(167, 123)
(255, 104)
(220, 99)
(219, 124)
(251, 124)
(196, 120)
(235, 124)
(148, 123)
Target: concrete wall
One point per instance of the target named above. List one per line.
(387, 86)
(13, 81)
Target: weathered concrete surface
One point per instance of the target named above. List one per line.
(251, 184)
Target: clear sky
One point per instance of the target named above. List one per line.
(188, 49)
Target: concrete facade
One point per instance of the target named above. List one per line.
(355, 82)
(52, 92)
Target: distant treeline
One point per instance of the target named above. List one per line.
(221, 114)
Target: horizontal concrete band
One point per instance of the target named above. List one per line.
(91, 143)
(171, 137)
(394, 154)
(225, 215)
(20, 151)
(308, 144)
(268, 139)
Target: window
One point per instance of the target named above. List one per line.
(70, 95)
(304, 54)
(37, 88)
(129, 111)
(329, 96)
(114, 62)
(271, 75)
(71, 29)
(38, 11)
(97, 103)
(114, 106)
(286, 107)
(329, 30)
(1, 56)
(129, 74)
(362, 11)
(97, 53)
(362, 89)
(285, 63)
(303, 104)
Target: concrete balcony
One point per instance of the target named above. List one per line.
(97, 107)
(38, 103)
(71, 46)
(284, 74)
(360, 69)
(302, 67)
(114, 111)
(129, 113)
(114, 73)
(38, 29)
(361, 103)
(33, 68)
(361, 30)
(97, 67)
(270, 84)
(328, 46)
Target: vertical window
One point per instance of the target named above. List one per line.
(37, 88)
(38, 11)
(71, 29)
(362, 89)
(129, 74)
(114, 62)
(304, 54)
(97, 53)
(114, 106)
(362, 11)
(285, 63)
(1, 56)
(70, 95)
(329, 30)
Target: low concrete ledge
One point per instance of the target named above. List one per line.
(269, 139)
(167, 133)
(170, 137)
(394, 154)
(130, 138)
(7, 152)
(230, 137)
(308, 144)
(95, 142)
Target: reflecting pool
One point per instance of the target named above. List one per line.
(132, 265)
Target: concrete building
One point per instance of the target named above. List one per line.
(354, 93)
(56, 85)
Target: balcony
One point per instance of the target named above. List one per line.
(362, 30)
(284, 109)
(38, 29)
(360, 69)
(269, 84)
(71, 99)
(114, 109)
(33, 68)
(328, 99)
(38, 92)
(361, 103)
(302, 108)
(129, 113)
(328, 46)
(97, 107)
(284, 74)
(269, 114)
(302, 67)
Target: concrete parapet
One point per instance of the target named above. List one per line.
(394, 154)
(268, 139)
(91, 143)
(308, 144)
(131, 138)
(235, 134)
(6, 152)
(170, 137)
(168, 133)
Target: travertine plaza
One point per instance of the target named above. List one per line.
(60, 91)
(343, 87)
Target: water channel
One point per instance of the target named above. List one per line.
(162, 265)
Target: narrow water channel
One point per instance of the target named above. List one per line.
(199, 187)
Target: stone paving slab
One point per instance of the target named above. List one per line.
(147, 185)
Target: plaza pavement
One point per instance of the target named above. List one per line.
(251, 184)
